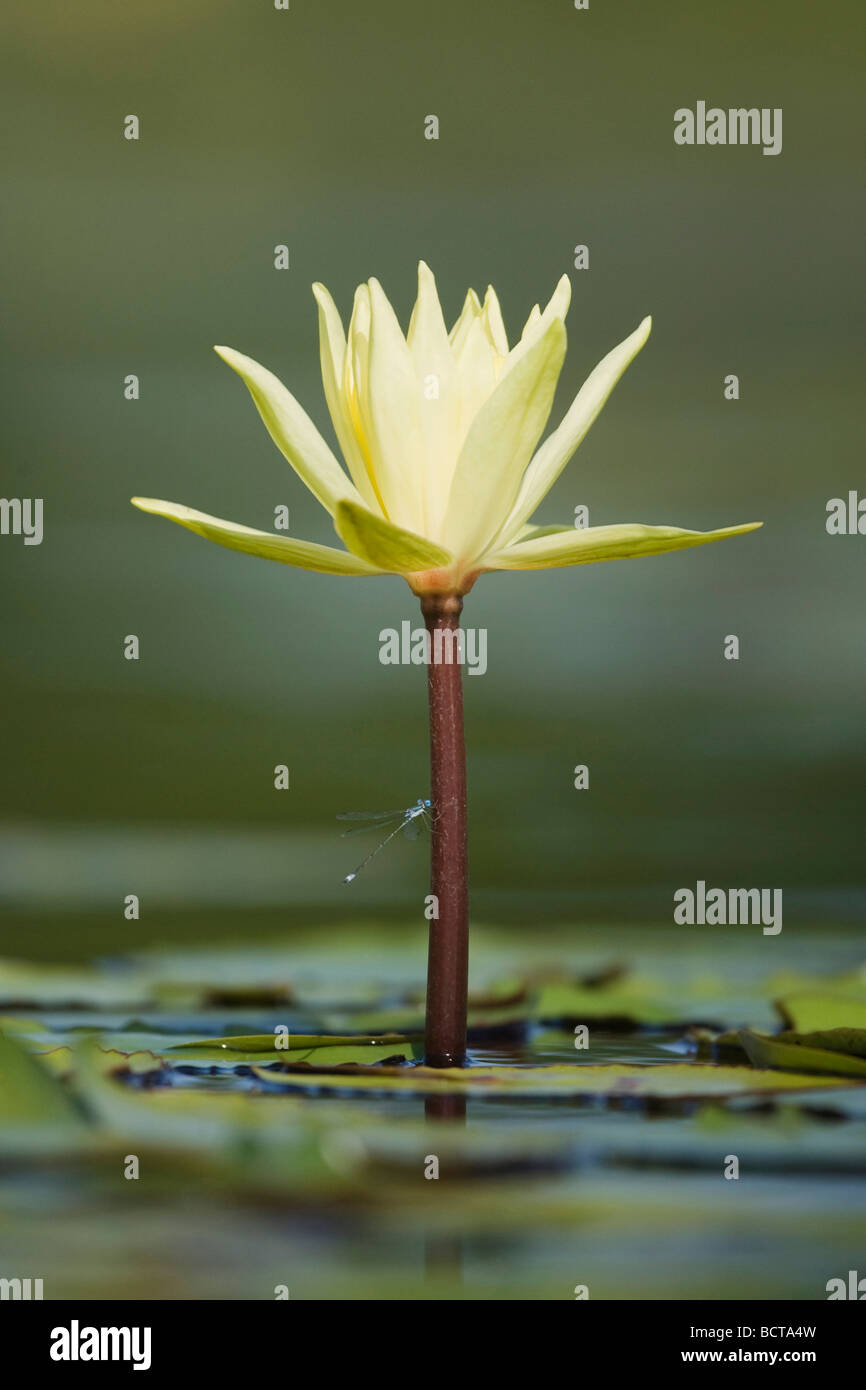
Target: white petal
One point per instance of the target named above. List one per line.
(293, 432)
(493, 322)
(477, 367)
(587, 545)
(391, 417)
(557, 305)
(303, 554)
(534, 318)
(427, 329)
(499, 443)
(332, 352)
(469, 313)
(556, 308)
(558, 448)
(439, 398)
(356, 382)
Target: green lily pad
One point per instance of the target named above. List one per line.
(318, 1049)
(851, 1041)
(814, 1011)
(23, 985)
(62, 1061)
(59, 1052)
(632, 1001)
(674, 1081)
(30, 1095)
(788, 1053)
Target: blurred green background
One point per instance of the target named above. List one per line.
(305, 127)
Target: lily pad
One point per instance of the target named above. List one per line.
(814, 1011)
(23, 985)
(633, 1001)
(674, 1081)
(31, 1096)
(788, 1053)
(229, 1051)
(63, 1061)
(317, 1049)
(851, 1041)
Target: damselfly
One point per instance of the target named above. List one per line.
(412, 820)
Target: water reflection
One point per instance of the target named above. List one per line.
(443, 1253)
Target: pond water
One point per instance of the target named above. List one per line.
(253, 1174)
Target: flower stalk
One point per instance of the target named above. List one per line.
(448, 951)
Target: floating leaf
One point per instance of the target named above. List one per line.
(32, 1099)
(851, 1041)
(318, 1049)
(674, 1081)
(633, 1001)
(57, 1050)
(793, 1056)
(812, 1012)
(23, 985)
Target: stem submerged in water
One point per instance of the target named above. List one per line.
(448, 955)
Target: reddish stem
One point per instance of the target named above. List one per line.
(448, 955)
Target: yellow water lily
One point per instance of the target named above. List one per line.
(440, 433)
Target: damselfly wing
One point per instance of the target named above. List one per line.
(410, 819)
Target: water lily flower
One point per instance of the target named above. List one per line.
(440, 435)
(439, 432)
